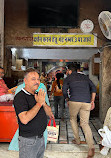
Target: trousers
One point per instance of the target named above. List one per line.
(84, 111)
(31, 147)
(59, 102)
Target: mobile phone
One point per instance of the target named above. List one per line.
(36, 92)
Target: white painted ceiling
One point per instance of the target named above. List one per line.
(75, 54)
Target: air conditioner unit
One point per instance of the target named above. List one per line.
(105, 23)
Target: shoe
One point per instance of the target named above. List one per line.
(91, 153)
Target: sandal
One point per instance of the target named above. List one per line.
(75, 142)
(81, 142)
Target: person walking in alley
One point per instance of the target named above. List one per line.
(82, 97)
(58, 95)
(31, 111)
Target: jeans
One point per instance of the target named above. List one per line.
(31, 147)
(58, 100)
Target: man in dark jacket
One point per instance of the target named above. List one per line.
(82, 96)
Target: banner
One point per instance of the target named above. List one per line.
(64, 40)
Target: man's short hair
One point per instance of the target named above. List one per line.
(78, 66)
(57, 71)
(72, 67)
(28, 70)
(59, 75)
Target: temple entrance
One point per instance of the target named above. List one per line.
(48, 61)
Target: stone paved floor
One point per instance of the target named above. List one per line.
(65, 130)
(64, 147)
(66, 133)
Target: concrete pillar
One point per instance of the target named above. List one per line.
(92, 77)
(1, 32)
(105, 82)
(8, 62)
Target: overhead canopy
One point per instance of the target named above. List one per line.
(76, 54)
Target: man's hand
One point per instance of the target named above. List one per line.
(92, 105)
(92, 101)
(67, 100)
(40, 98)
(68, 103)
(51, 116)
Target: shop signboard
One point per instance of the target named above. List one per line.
(64, 40)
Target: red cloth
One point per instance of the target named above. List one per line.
(3, 87)
(10, 103)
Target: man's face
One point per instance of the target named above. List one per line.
(69, 72)
(1, 73)
(32, 81)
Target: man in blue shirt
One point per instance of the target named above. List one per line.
(82, 96)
